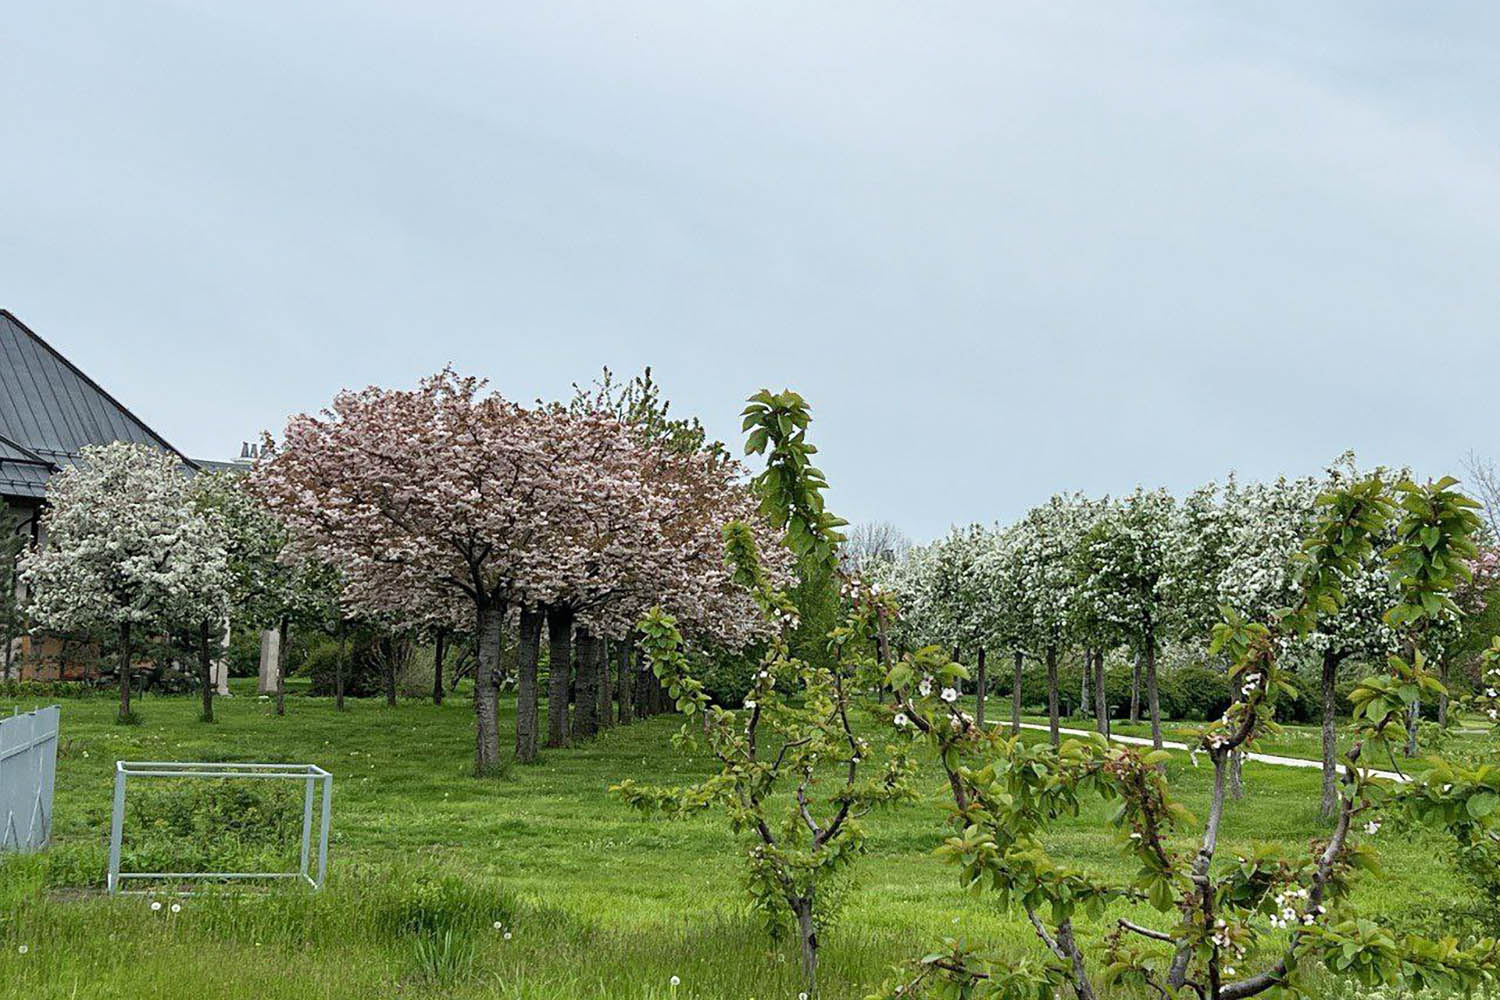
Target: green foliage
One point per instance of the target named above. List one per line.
(794, 733)
(791, 487)
(213, 825)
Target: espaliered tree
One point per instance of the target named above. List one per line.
(126, 550)
(793, 775)
(1226, 931)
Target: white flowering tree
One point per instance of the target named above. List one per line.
(1127, 548)
(125, 550)
(1045, 566)
(1232, 930)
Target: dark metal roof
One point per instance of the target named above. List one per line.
(49, 411)
(23, 473)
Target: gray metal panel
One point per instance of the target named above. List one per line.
(28, 772)
(50, 408)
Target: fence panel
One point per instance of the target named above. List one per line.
(28, 774)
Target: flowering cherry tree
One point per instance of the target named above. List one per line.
(424, 498)
(126, 550)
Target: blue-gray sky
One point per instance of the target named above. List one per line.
(1004, 248)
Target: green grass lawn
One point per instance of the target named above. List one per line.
(598, 901)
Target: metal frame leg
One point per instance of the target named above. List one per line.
(116, 830)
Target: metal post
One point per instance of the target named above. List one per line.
(116, 829)
(307, 803)
(323, 837)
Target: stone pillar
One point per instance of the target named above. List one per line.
(219, 671)
(270, 661)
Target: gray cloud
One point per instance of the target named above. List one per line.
(1004, 248)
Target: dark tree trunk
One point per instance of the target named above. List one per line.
(1052, 726)
(1101, 696)
(1135, 690)
(528, 652)
(1015, 694)
(389, 649)
(606, 686)
(586, 715)
(124, 671)
(980, 685)
(560, 662)
(491, 617)
(626, 676)
(206, 671)
(437, 667)
(1330, 736)
(1084, 701)
(281, 631)
(338, 667)
(1443, 694)
(1151, 692)
(1414, 714)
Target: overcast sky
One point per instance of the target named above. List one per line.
(1003, 248)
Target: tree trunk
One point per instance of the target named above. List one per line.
(338, 667)
(388, 648)
(125, 671)
(206, 671)
(642, 675)
(281, 667)
(1151, 692)
(1443, 694)
(1135, 690)
(1414, 714)
(1052, 696)
(606, 687)
(1330, 738)
(490, 619)
(1101, 697)
(1015, 694)
(586, 714)
(527, 654)
(808, 936)
(437, 667)
(1413, 719)
(626, 676)
(980, 687)
(560, 664)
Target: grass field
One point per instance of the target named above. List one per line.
(593, 901)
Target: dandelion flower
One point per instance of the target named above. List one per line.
(507, 935)
(155, 905)
(497, 925)
(176, 907)
(24, 949)
(675, 982)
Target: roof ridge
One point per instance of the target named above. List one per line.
(7, 314)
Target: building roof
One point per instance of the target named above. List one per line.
(50, 411)
(23, 473)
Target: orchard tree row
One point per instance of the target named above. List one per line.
(1148, 571)
(444, 512)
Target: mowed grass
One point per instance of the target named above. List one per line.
(598, 901)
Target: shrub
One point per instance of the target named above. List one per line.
(1198, 693)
